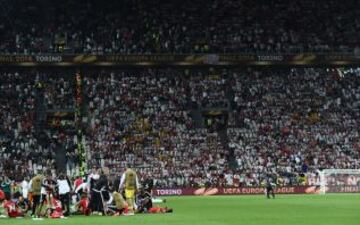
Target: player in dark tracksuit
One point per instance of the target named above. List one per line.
(101, 195)
(143, 201)
(145, 204)
(269, 188)
(148, 185)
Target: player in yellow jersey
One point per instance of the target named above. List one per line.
(120, 206)
(130, 183)
(35, 190)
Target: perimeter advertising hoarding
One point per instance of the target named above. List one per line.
(178, 60)
(249, 190)
(227, 191)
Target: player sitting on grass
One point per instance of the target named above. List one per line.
(56, 209)
(82, 207)
(145, 205)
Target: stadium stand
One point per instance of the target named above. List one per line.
(109, 107)
(189, 127)
(284, 121)
(148, 125)
(21, 152)
(181, 27)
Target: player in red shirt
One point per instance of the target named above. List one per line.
(56, 205)
(11, 209)
(83, 206)
(160, 210)
(56, 209)
(2, 195)
(78, 182)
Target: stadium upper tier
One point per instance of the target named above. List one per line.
(187, 128)
(157, 26)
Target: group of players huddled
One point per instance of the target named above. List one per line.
(52, 197)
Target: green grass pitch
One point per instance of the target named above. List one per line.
(233, 210)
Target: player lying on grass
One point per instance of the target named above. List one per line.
(11, 208)
(145, 205)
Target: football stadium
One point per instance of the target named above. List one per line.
(203, 112)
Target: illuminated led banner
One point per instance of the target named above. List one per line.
(179, 60)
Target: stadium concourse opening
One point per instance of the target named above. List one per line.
(122, 108)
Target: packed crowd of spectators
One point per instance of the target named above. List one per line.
(59, 92)
(180, 26)
(288, 122)
(294, 122)
(285, 122)
(23, 150)
(20, 152)
(208, 90)
(142, 119)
